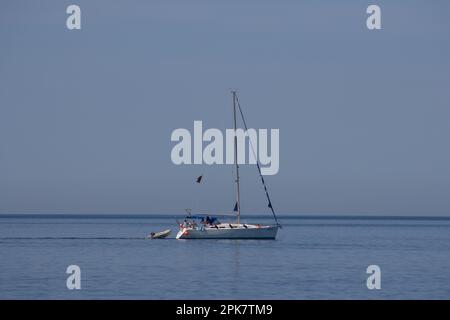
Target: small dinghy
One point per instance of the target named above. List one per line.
(159, 235)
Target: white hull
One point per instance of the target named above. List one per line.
(224, 231)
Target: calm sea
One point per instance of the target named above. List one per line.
(312, 258)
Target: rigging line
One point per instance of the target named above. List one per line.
(257, 163)
(233, 175)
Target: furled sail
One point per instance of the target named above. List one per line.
(258, 166)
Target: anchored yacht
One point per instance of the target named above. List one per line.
(209, 227)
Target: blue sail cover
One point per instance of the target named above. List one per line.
(196, 217)
(203, 217)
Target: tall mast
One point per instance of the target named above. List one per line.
(236, 160)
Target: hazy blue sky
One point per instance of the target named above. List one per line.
(86, 116)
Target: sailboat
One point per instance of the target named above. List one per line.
(208, 227)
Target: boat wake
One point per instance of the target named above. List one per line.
(73, 238)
